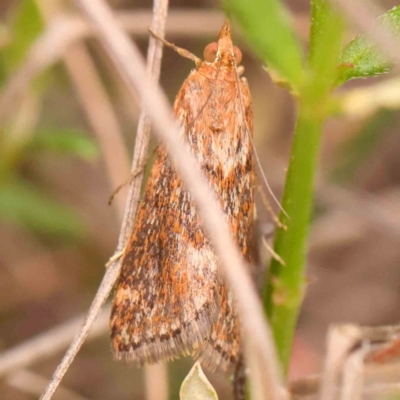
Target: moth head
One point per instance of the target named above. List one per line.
(223, 51)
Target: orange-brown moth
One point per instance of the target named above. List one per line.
(170, 300)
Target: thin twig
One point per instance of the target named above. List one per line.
(63, 32)
(153, 68)
(49, 343)
(96, 104)
(128, 60)
(114, 267)
(155, 390)
(353, 376)
(365, 101)
(33, 384)
(156, 382)
(341, 339)
(101, 116)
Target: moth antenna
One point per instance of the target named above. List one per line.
(258, 162)
(181, 51)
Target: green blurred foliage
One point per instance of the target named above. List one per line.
(21, 201)
(64, 142)
(26, 205)
(26, 24)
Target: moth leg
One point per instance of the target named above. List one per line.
(182, 52)
(115, 257)
(268, 207)
(132, 176)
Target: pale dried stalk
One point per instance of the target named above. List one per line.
(47, 344)
(153, 68)
(101, 116)
(353, 376)
(114, 266)
(156, 377)
(341, 338)
(129, 62)
(364, 101)
(156, 382)
(63, 32)
(95, 103)
(33, 384)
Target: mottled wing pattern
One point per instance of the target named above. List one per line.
(236, 191)
(166, 298)
(170, 300)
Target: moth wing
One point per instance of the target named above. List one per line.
(166, 299)
(236, 191)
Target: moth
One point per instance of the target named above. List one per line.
(170, 300)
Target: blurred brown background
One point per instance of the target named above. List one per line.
(50, 275)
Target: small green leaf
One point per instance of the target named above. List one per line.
(266, 25)
(26, 24)
(65, 141)
(361, 59)
(196, 386)
(23, 204)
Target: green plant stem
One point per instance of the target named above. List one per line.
(286, 284)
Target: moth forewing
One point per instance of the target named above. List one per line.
(170, 300)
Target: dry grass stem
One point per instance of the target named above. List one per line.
(102, 293)
(101, 116)
(156, 377)
(63, 32)
(49, 343)
(156, 382)
(114, 266)
(128, 60)
(34, 384)
(353, 376)
(364, 102)
(153, 68)
(341, 339)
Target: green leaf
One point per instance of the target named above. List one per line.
(361, 59)
(26, 26)
(23, 204)
(266, 25)
(65, 141)
(196, 386)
